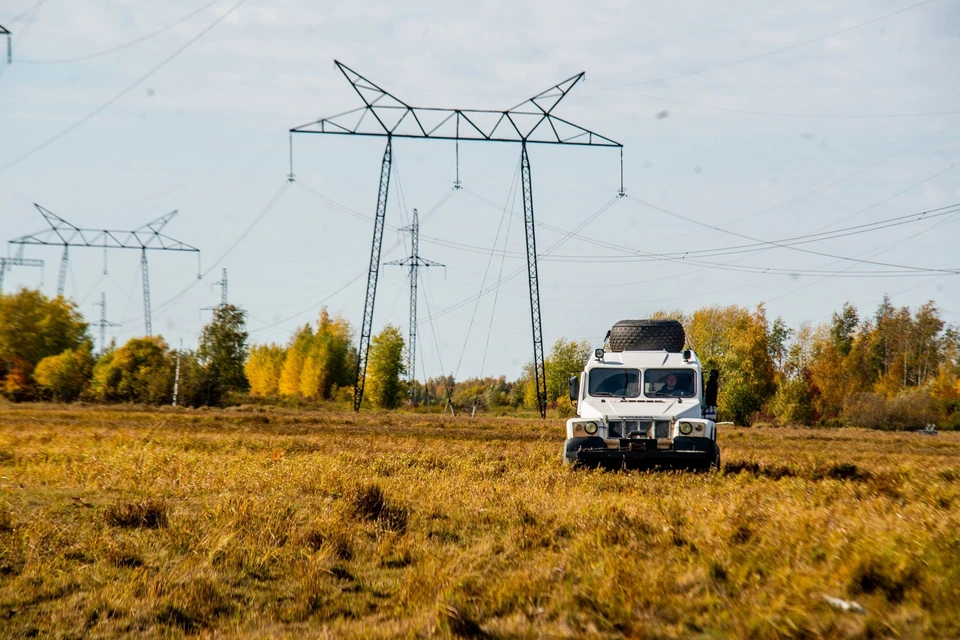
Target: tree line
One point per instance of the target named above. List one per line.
(896, 369)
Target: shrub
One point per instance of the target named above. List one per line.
(913, 410)
(868, 410)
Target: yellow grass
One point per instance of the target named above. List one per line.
(259, 522)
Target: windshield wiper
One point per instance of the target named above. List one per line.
(605, 394)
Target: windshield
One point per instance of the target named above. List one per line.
(673, 383)
(624, 383)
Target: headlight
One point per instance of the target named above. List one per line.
(590, 427)
(686, 428)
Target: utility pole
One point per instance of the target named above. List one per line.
(386, 116)
(414, 262)
(18, 261)
(145, 237)
(104, 323)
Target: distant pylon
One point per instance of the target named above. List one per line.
(19, 261)
(414, 261)
(223, 288)
(222, 283)
(104, 323)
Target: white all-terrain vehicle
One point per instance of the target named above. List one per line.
(644, 401)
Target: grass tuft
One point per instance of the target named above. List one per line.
(338, 546)
(454, 623)
(369, 503)
(145, 514)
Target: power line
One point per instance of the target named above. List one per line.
(125, 45)
(882, 250)
(263, 212)
(775, 51)
(804, 239)
(689, 256)
(507, 206)
(778, 245)
(77, 124)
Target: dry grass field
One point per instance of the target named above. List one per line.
(261, 522)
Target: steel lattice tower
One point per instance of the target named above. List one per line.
(414, 262)
(386, 116)
(146, 237)
(104, 323)
(17, 261)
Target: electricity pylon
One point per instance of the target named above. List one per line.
(414, 261)
(222, 283)
(146, 237)
(17, 261)
(223, 288)
(386, 116)
(104, 323)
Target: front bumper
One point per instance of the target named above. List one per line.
(685, 453)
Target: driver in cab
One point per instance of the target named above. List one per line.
(670, 387)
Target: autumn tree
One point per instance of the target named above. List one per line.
(747, 370)
(33, 327)
(736, 342)
(65, 376)
(263, 369)
(385, 368)
(327, 358)
(300, 344)
(139, 371)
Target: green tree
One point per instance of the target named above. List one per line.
(65, 376)
(222, 354)
(567, 358)
(33, 327)
(842, 328)
(780, 335)
(386, 366)
(140, 371)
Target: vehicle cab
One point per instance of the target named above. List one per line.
(643, 408)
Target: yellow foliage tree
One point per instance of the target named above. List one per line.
(263, 369)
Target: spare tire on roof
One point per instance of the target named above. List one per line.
(647, 335)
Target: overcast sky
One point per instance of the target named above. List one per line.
(749, 117)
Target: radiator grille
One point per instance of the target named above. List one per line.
(639, 428)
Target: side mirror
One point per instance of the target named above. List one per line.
(712, 388)
(574, 388)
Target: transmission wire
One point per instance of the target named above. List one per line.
(776, 51)
(126, 45)
(77, 124)
(511, 196)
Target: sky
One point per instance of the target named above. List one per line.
(741, 121)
